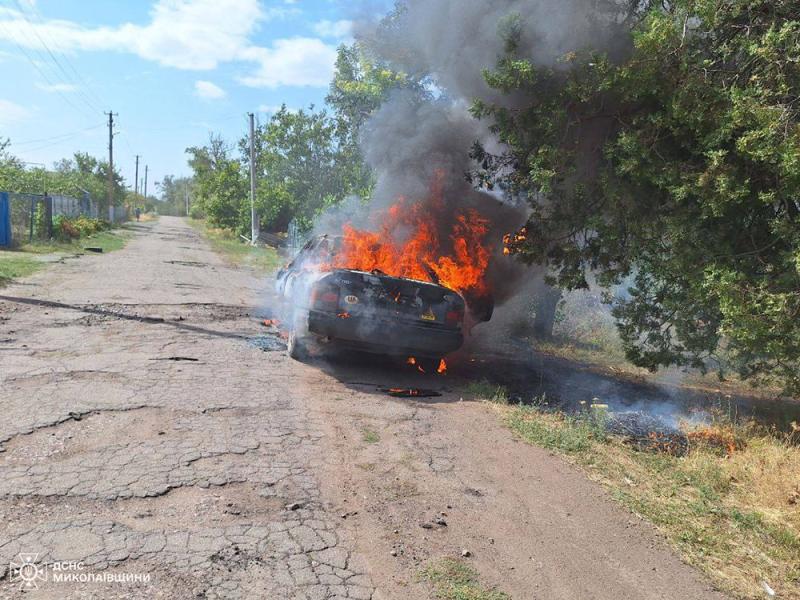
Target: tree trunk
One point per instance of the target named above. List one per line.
(546, 313)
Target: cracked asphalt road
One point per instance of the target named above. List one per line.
(144, 432)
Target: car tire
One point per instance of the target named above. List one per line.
(296, 344)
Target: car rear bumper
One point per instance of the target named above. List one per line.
(386, 336)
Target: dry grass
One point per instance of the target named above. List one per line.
(730, 506)
(262, 259)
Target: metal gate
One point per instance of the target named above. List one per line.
(5, 220)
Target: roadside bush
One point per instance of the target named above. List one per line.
(89, 226)
(66, 228)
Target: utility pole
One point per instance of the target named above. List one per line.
(136, 181)
(145, 182)
(253, 223)
(186, 195)
(111, 116)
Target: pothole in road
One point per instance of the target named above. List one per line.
(187, 508)
(186, 263)
(190, 508)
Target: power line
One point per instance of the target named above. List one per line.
(61, 137)
(40, 18)
(66, 78)
(43, 146)
(65, 57)
(36, 66)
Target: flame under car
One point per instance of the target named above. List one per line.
(367, 311)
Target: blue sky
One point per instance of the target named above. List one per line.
(173, 69)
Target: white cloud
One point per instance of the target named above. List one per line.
(196, 34)
(193, 35)
(298, 61)
(208, 90)
(334, 29)
(10, 112)
(56, 87)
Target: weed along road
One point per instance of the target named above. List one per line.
(157, 442)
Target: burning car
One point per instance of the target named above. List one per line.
(368, 310)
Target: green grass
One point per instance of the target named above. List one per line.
(485, 390)
(733, 515)
(568, 434)
(262, 259)
(370, 436)
(455, 580)
(24, 261)
(14, 264)
(109, 241)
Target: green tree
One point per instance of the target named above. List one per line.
(220, 185)
(678, 165)
(361, 83)
(173, 195)
(82, 173)
(69, 176)
(297, 171)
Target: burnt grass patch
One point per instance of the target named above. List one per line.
(724, 493)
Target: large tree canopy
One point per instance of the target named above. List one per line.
(361, 84)
(296, 166)
(677, 166)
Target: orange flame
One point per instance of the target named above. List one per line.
(715, 437)
(409, 244)
(442, 369)
(513, 242)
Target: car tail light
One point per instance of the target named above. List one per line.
(325, 296)
(454, 317)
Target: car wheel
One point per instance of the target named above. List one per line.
(296, 345)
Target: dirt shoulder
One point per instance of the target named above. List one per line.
(532, 525)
